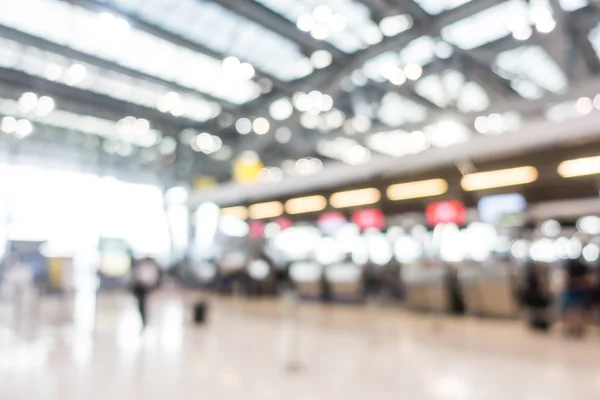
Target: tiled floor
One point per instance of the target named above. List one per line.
(246, 350)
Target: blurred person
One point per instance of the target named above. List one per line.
(146, 277)
(575, 298)
(19, 282)
(534, 299)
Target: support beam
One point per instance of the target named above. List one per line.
(269, 19)
(68, 52)
(139, 23)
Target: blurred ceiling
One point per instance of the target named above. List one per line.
(182, 88)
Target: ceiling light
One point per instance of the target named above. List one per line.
(443, 50)
(579, 167)
(499, 178)
(231, 64)
(75, 74)
(309, 121)
(281, 109)
(413, 71)
(584, 105)
(8, 125)
(320, 32)
(321, 59)
(393, 25)
(415, 190)
(239, 212)
(261, 126)
(361, 123)
(356, 155)
(308, 166)
(23, 129)
(53, 72)
(283, 135)
(523, 33)
(447, 133)
(305, 23)
(45, 106)
(334, 119)
(243, 126)
(246, 71)
(322, 13)
(302, 205)
(270, 209)
(337, 23)
(302, 101)
(596, 102)
(397, 77)
(27, 102)
(372, 35)
(354, 198)
(167, 146)
(326, 103)
(482, 124)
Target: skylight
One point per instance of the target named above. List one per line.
(398, 143)
(346, 24)
(484, 27)
(396, 110)
(54, 67)
(594, 37)
(532, 64)
(223, 31)
(452, 87)
(572, 5)
(111, 38)
(435, 7)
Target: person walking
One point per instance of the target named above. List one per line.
(146, 277)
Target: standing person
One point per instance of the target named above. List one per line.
(574, 301)
(146, 277)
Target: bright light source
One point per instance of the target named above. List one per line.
(320, 32)
(302, 205)
(243, 126)
(551, 228)
(281, 109)
(413, 71)
(269, 209)
(28, 102)
(393, 25)
(9, 125)
(239, 212)
(231, 64)
(322, 13)
(372, 35)
(24, 128)
(176, 195)
(447, 133)
(579, 167)
(305, 23)
(356, 155)
(75, 74)
(415, 190)
(337, 23)
(499, 178)
(354, 198)
(361, 123)
(321, 59)
(584, 105)
(232, 226)
(53, 72)
(589, 225)
(261, 126)
(523, 33)
(443, 50)
(482, 124)
(45, 106)
(246, 71)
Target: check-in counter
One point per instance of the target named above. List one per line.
(489, 290)
(307, 278)
(344, 280)
(426, 288)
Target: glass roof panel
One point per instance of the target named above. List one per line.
(54, 67)
(221, 30)
(453, 87)
(533, 64)
(396, 110)
(435, 7)
(490, 25)
(111, 38)
(346, 24)
(572, 5)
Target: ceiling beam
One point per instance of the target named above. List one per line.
(68, 52)
(139, 23)
(275, 22)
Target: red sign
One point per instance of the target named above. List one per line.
(369, 218)
(257, 230)
(446, 212)
(284, 223)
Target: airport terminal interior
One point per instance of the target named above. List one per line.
(300, 199)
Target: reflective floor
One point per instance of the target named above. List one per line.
(275, 350)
